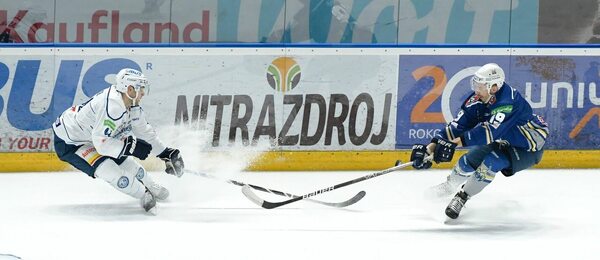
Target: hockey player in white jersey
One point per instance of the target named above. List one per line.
(100, 136)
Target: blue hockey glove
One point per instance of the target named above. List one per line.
(419, 152)
(444, 150)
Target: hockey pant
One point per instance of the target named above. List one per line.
(83, 157)
(125, 174)
(478, 167)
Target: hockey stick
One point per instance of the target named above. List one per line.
(342, 204)
(270, 205)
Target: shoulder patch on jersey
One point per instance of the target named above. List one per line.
(110, 124)
(503, 109)
(110, 127)
(472, 101)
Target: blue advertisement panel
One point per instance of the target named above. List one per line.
(274, 21)
(464, 21)
(339, 21)
(562, 89)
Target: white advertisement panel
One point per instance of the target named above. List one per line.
(286, 99)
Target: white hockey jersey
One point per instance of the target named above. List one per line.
(105, 122)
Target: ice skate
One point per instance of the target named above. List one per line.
(441, 190)
(148, 201)
(444, 189)
(456, 204)
(159, 192)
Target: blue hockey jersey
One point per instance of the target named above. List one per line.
(508, 117)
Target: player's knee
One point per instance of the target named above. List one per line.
(475, 156)
(485, 174)
(496, 162)
(110, 172)
(133, 167)
(141, 173)
(463, 168)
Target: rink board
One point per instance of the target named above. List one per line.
(341, 106)
(309, 161)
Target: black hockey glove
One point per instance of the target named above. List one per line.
(137, 148)
(173, 161)
(501, 145)
(419, 152)
(444, 150)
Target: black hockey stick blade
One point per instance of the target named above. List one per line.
(345, 203)
(247, 191)
(342, 204)
(270, 205)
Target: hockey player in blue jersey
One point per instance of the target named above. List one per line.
(101, 137)
(501, 131)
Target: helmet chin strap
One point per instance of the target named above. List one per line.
(489, 95)
(133, 102)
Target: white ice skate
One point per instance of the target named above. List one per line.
(147, 201)
(159, 192)
(441, 190)
(444, 189)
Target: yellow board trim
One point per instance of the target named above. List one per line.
(315, 161)
(31, 162)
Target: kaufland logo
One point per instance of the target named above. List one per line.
(283, 74)
(102, 26)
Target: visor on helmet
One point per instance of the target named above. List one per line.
(477, 84)
(141, 83)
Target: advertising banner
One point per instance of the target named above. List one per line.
(569, 22)
(295, 99)
(563, 89)
(289, 21)
(242, 97)
(467, 21)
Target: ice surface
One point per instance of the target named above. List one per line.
(537, 214)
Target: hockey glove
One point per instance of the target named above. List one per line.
(137, 148)
(173, 161)
(419, 152)
(501, 145)
(444, 150)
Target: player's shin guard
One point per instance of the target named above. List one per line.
(122, 181)
(476, 183)
(131, 165)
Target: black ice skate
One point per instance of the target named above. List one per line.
(456, 204)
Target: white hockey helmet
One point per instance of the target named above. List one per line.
(486, 76)
(130, 77)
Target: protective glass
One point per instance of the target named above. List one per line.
(477, 85)
(142, 85)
